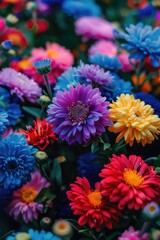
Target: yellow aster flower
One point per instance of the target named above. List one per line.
(133, 119)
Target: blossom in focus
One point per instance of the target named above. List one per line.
(133, 120)
(103, 47)
(94, 28)
(132, 234)
(40, 135)
(129, 182)
(16, 161)
(79, 114)
(20, 84)
(22, 201)
(95, 211)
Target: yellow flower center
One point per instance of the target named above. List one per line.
(28, 194)
(152, 208)
(52, 53)
(132, 178)
(15, 38)
(95, 198)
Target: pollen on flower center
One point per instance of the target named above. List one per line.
(132, 178)
(28, 194)
(78, 112)
(95, 198)
(52, 53)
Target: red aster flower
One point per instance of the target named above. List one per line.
(130, 182)
(91, 206)
(40, 134)
(41, 25)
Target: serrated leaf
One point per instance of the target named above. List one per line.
(36, 112)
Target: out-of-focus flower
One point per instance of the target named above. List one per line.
(80, 8)
(40, 135)
(41, 25)
(79, 114)
(103, 47)
(2, 24)
(3, 120)
(94, 74)
(151, 210)
(33, 235)
(7, 44)
(142, 41)
(16, 36)
(131, 234)
(138, 82)
(110, 63)
(22, 202)
(16, 161)
(11, 19)
(62, 228)
(20, 85)
(133, 120)
(95, 211)
(155, 234)
(124, 60)
(151, 100)
(129, 182)
(137, 4)
(43, 66)
(94, 28)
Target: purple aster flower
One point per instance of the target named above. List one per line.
(94, 74)
(20, 85)
(79, 114)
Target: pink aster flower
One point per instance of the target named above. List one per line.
(22, 202)
(94, 28)
(20, 85)
(124, 60)
(104, 47)
(132, 234)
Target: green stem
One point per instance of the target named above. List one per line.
(48, 86)
(138, 72)
(150, 159)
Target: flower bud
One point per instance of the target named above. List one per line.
(43, 66)
(61, 159)
(23, 236)
(151, 211)
(44, 99)
(45, 222)
(11, 19)
(41, 155)
(31, 6)
(62, 228)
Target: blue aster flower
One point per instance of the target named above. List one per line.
(16, 161)
(43, 66)
(34, 235)
(142, 41)
(89, 167)
(3, 120)
(151, 100)
(79, 8)
(5, 196)
(110, 63)
(69, 78)
(116, 88)
(7, 44)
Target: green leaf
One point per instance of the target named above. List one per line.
(157, 170)
(94, 147)
(106, 146)
(45, 195)
(36, 112)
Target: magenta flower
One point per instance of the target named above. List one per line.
(79, 114)
(20, 85)
(22, 202)
(104, 47)
(132, 234)
(94, 28)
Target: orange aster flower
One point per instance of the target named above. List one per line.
(133, 120)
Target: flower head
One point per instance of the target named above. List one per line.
(40, 134)
(22, 202)
(3, 120)
(62, 228)
(95, 211)
(142, 41)
(79, 114)
(133, 120)
(33, 235)
(132, 234)
(7, 44)
(94, 28)
(94, 74)
(129, 182)
(104, 47)
(16, 161)
(151, 210)
(20, 84)
(43, 66)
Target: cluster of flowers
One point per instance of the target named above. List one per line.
(79, 121)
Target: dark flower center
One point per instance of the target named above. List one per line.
(78, 112)
(11, 164)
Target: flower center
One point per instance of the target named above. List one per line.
(152, 208)
(28, 194)
(15, 38)
(78, 112)
(95, 198)
(132, 178)
(11, 164)
(52, 53)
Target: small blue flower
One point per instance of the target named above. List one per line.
(151, 210)
(142, 41)
(79, 8)
(151, 100)
(3, 120)
(110, 63)
(43, 66)
(7, 44)
(16, 161)
(69, 78)
(34, 235)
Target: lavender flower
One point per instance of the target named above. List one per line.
(20, 85)
(79, 114)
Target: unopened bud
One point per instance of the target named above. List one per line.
(45, 222)
(61, 159)
(11, 19)
(23, 236)
(44, 99)
(40, 156)
(31, 6)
